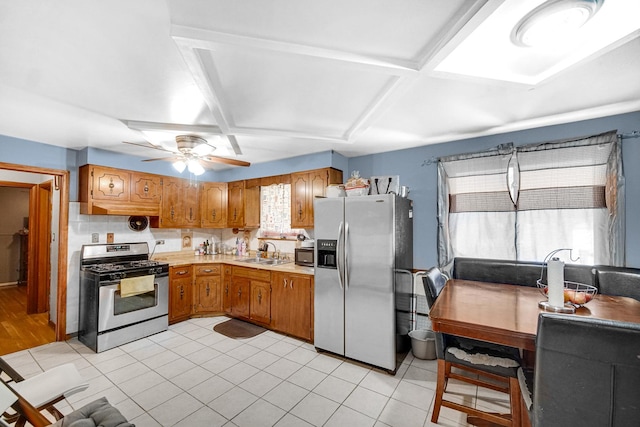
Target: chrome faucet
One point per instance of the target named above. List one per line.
(275, 250)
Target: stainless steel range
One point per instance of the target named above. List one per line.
(124, 296)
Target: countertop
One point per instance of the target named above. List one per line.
(188, 257)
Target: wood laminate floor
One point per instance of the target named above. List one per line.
(19, 330)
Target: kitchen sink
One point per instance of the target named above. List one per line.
(266, 261)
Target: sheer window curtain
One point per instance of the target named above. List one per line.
(522, 202)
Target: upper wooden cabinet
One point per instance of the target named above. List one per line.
(180, 207)
(110, 191)
(305, 186)
(213, 204)
(235, 204)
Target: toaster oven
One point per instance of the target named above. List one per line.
(304, 257)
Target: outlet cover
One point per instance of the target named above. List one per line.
(109, 237)
(95, 237)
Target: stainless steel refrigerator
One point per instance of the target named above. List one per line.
(363, 281)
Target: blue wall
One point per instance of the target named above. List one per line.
(411, 165)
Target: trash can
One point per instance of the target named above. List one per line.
(423, 344)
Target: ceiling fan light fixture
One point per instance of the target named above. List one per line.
(553, 21)
(179, 165)
(195, 167)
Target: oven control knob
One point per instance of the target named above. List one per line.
(155, 270)
(117, 276)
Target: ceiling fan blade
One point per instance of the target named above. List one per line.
(147, 145)
(216, 159)
(164, 158)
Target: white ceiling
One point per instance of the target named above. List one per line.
(283, 77)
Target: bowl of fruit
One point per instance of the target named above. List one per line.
(576, 294)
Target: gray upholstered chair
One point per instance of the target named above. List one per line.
(496, 366)
(587, 373)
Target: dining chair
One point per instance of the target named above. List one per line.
(43, 390)
(96, 413)
(587, 373)
(493, 366)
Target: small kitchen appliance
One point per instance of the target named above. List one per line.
(124, 296)
(304, 257)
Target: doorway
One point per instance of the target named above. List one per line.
(39, 295)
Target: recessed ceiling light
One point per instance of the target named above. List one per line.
(553, 21)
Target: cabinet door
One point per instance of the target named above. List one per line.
(213, 204)
(235, 203)
(110, 184)
(240, 296)
(191, 209)
(180, 298)
(208, 296)
(291, 304)
(171, 213)
(145, 188)
(227, 289)
(260, 305)
(252, 207)
(299, 204)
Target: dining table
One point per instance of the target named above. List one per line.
(507, 314)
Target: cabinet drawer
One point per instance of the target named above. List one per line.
(208, 270)
(252, 273)
(180, 272)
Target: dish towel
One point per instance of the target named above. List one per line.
(137, 285)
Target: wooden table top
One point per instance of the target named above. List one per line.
(508, 314)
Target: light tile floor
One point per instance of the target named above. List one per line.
(192, 376)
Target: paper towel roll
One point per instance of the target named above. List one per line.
(555, 280)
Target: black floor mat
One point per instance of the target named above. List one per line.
(235, 328)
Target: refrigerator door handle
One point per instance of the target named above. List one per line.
(339, 255)
(346, 256)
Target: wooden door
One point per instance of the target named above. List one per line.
(260, 305)
(191, 209)
(240, 296)
(235, 204)
(42, 282)
(109, 184)
(213, 202)
(171, 214)
(252, 207)
(145, 188)
(280, 303)
(208, 296)
(299, 205)
(291, 304)
(180, 293)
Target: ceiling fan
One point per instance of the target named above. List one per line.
(192, 151)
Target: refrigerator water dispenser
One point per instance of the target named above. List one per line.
(327, 253)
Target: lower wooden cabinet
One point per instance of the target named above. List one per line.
(292, 304)
(207, 288)
(180, 293)
(278, 300)
(260, 306)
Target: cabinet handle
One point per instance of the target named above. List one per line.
(172, 212)
(235, 213)
(146, 189)
(213, 214)
(191, 213)
(181, 291)
(291, 283)
(285, 282)
(299, 210)
(226, 290)
(239, 292)
(181, 272)
(259, 297)
(208, 289)
(111, 185)
(207, 270)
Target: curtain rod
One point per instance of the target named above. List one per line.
(630, 135)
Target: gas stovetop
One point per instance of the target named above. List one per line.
(108, 267)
